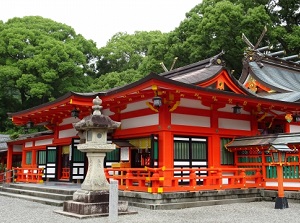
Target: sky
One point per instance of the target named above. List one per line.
(99, 20)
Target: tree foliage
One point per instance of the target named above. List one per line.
(285, 15)
(125, 51)
(40, 60)
(115, 79)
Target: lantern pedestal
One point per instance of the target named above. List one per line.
(281, 203)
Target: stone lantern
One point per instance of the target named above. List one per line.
(93, 196)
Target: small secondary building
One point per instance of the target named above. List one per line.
(180, 119)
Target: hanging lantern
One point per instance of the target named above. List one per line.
(75, 113)
(237, 109)
(29, 124)
(157, 101)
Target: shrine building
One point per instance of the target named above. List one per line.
(184, 128)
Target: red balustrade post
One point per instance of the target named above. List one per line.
(243, 177)
(219, 180)
(193, 178)
(258, 177)
(155, 182)
(128, 180)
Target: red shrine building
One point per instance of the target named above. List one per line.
(184, 127)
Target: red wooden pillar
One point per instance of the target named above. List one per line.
(166, 144)
(213, 143)
(9, 160)
(33, 159)
(287, 127)
(166, 155)
(9, 157)
(23, 158)
(214, 151)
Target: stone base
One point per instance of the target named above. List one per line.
(281, 203)
(69, 214)
(91, 196)
(91, 204)
(81, 208)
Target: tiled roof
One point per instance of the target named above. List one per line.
(264, 140)
(197, 72)
(3, 140)
(279, 75)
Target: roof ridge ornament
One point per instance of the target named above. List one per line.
(215, 60)
(172, 66)
(250, 45)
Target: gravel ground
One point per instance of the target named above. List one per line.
(17, 211)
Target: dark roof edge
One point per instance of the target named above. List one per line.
(65, 96)
(193, 66)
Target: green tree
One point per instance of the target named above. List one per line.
(125, 51)
(216, 25)
(285, 15)
(40, 60)
(44, 59)
(115, 79)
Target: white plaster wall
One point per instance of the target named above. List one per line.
(69, 120)
(28, 144)
(226, 123)
(43, 142)
(285, 184)
(67, 133)
(141, 121)
(190, 103)
(135, 106)
(17, 148)
(294, 128)
(190, 120)
(107, 112)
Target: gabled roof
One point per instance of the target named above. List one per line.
(197, 72)
(277, 75)
(3, 140)
(264, 142)
(208, 73)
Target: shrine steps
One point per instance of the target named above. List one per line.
(48, 193)
(168, 201)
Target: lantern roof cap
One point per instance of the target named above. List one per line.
(96, 120)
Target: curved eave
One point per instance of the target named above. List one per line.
(55, 111)
(228, 79)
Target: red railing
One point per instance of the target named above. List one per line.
(29, 175)
(65, 173)
(159, 180)
(291, 170)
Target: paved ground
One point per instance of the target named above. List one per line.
(17, 211)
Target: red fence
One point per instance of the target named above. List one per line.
(29, 175)
(159, 180)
